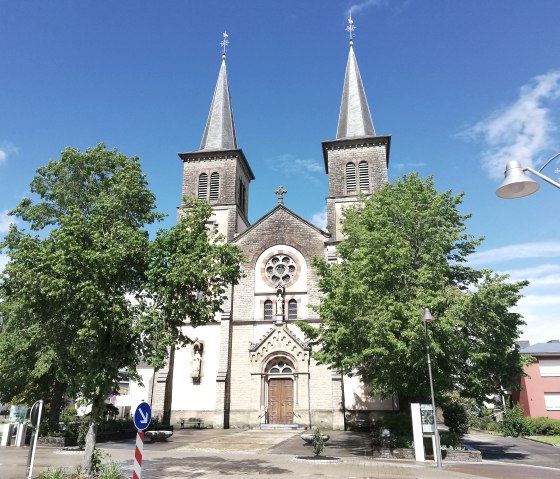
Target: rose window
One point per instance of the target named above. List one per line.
(280, 270)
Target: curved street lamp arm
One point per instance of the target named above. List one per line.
(547, 163)
(541, 176)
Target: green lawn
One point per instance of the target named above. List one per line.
(555, 440)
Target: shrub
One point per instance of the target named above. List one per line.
(69, 414)
(456, 417)
(398, 424)
(54, 473)
(318, 443)
(451, 440)
(542, 426)
(111, 470)
(514, 423)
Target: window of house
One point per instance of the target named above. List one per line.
(203, 186)
(214, 186)
(363, 172)
(292, 309)
(549, 367)
(350, 178)
(268, 309)
(552, 401)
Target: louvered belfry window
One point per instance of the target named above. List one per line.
(268, 310)
(214, 186)
(350, 178)
(203, 186)
(292, 309)
(364, 176)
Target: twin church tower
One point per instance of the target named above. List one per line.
(253, 366)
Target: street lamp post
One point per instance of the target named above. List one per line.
(426, 318)
(517, 184)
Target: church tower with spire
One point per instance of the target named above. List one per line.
(218, 171)
(357, 160)
(254, 365)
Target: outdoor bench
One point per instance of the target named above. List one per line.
(195, 421)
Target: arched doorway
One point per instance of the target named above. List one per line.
(280, 378)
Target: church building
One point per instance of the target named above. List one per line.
(253, 366)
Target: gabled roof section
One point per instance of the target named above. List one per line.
(285, 332)
(355, 118)
(271, 213)
(279, 340)
(219, 133)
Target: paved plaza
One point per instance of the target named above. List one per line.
(213, 453)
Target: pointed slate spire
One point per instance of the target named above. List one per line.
(219, 133)
(354, 119)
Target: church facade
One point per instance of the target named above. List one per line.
(254, 366)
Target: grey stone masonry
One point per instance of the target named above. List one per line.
(280, 226)
(337, 155)
(235, 174)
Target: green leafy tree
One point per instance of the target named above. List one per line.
(406, 249)
(190, 268)
(90, 296)
(68, 291)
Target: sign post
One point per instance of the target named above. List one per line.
(142, 418)
(36, 413)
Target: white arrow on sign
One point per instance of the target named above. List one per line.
(144, 416)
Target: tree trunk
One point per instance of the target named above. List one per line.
(168, 400)
(56, 404)
(88, 465)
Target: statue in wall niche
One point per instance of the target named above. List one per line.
(280, 303)
(197, 361)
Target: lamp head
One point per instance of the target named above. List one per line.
(516, 183)
(427, 316)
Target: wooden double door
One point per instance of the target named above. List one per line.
(280, 401)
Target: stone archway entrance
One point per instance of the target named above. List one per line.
(280, 401)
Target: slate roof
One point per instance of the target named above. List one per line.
(543, 348)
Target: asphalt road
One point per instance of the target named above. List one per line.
(515, 450)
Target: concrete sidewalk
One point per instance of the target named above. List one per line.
(239, 454)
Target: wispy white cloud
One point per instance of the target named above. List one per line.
(549, 249)
(358, 7)
(7, 149)
(289, 165)
(5, 221)
(523, 130)
(319, 219)
(541, 276)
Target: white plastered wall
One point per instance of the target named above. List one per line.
(188, 396)
(356, 397)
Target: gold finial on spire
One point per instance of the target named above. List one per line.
(350, 28)
(224, 43)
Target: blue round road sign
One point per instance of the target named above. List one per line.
(142, 416)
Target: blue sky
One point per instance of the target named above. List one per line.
(462, 87)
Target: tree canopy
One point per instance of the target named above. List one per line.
(82, 301)
(406, 248)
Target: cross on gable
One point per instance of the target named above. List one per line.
(280, 192)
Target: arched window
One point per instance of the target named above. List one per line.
(363, 171)
(241, 194)
(292, 309)
(203, 186)
(350, 178)
(214, 186)
(268, 310)
(280, 367)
